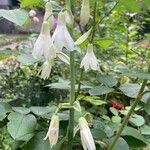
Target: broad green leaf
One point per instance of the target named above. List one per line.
(4, 108)
(21, 127)
(107, 80)
(132, 89)
(98, 133)
(62, 84)
(121, 145)
(37, 143)
(104, 43)
(40, 111)
(21, 110)
(137, 120)
(17, 16)
(140, 75)
(83, 37)
(128, 5)
(133, 137)
(145, 130)
(100, 90)
(147, 3)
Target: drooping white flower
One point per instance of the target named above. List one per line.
(53, 131)
(85, 12)
(61, 36)
(46, 69)
(49, 15)
(90, 61)
(86, 136)
(43, 45)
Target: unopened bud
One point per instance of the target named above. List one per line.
(86, 136)
(49, 15)
(85, 13)
(53, 131)
(36, 19)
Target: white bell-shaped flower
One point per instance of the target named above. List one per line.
(90, 61)
(44, 45)
(61, 36)
(53, 131)
(86, 136)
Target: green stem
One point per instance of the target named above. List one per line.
(72, 98)
(126, 119)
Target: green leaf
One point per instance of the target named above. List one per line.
(21, 110)
(137, 120)
(62, 84)
(31, 4)
(107, 80)
(93, 100)
(21, 127)
(145, 130)
(4, 108)
(147, 3)
(98, 133)
(40, 111)
(104, 43)
(121, 145)
(116, 119)
(81, 39)
(133, 137)
(132, 89)
(114, 111)
(100, 90)
(37, 143)
(140, 75)
(17, 16)
(129, 5)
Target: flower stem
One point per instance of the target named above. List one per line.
(72, 98)
(126, 119)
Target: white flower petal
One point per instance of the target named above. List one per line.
(90, 61)
(61, 36)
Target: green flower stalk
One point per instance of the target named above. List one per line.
(53, 131)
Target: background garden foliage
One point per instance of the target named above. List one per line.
(122, 46)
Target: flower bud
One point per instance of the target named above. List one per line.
(36, 19)
(49, 15)
(32, 13)
(85, 12)
(86, 136)
(69, 18)
(53, 131)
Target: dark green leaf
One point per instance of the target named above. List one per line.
(100, 90)
(21, 127)
(133, 137)
(37, 143)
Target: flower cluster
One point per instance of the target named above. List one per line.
(48, 47)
